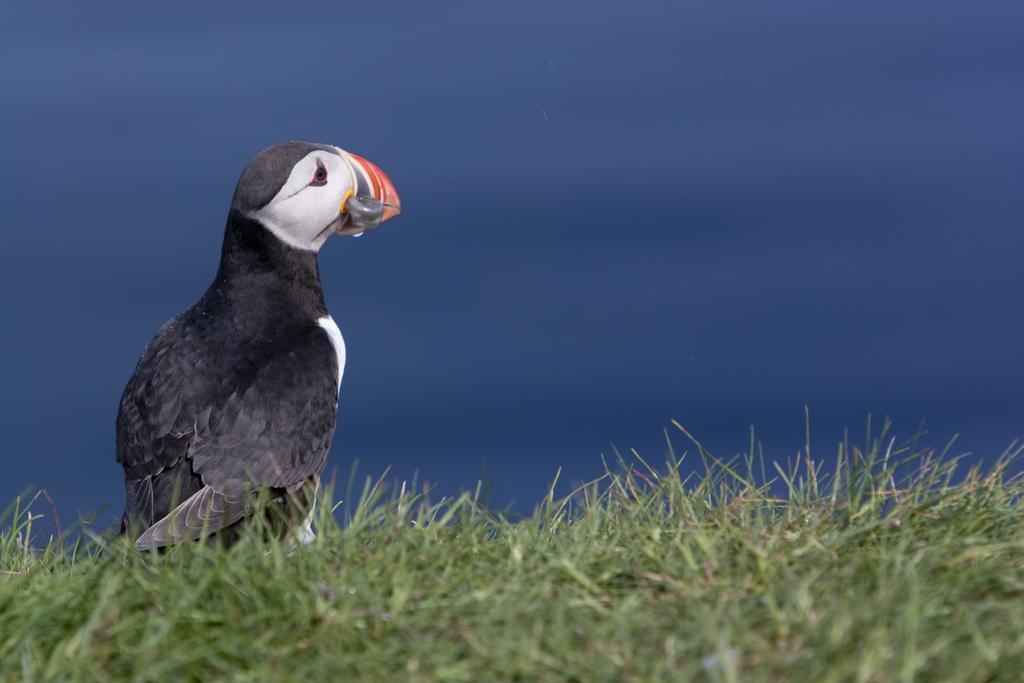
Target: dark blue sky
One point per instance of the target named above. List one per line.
(614, 215)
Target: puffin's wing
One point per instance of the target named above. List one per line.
(274, 428)
(265, 418)
(204, 512)
(155, 424)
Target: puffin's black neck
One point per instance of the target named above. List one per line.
(258, 270)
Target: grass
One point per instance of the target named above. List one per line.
(891, 568)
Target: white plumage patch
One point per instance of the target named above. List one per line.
(337, 341)
(303, 534)
(300, 213)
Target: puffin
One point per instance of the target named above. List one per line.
(237, 396)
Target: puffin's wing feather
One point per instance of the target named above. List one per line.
(275, 427)
(205, 512)
(154, 426)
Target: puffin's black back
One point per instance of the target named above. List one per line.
(237, 392)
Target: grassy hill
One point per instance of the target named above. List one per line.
(891, 568)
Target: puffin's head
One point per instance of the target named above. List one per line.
(304, 193)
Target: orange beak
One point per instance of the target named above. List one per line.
(377, 185)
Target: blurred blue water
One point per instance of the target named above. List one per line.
(713, 211)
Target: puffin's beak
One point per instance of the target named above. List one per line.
(373, 200)
(380, 186)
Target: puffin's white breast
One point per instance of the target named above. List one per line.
(334, 334)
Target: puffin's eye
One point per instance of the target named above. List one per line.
(320, 176)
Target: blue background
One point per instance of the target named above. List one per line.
(615, 214)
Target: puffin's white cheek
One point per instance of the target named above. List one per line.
(314, 208)
(301, 220)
